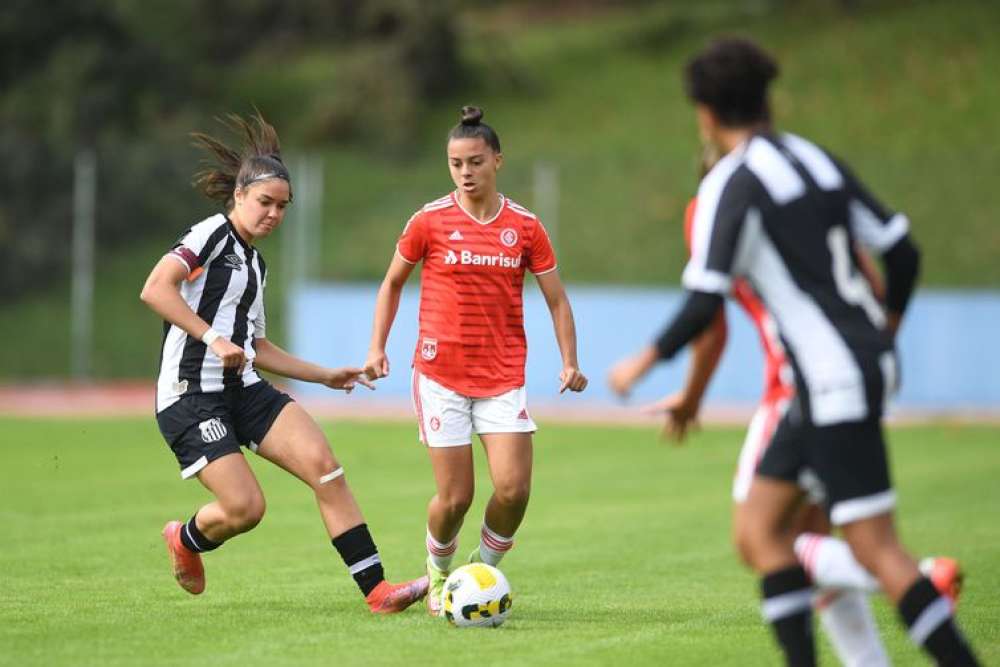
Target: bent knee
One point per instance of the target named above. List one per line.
(456, 503)
(247, 513)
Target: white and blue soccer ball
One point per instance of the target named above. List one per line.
(476, 595)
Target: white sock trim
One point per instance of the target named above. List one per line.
(441, 548)
(930, 619)
(364, 564)
(786, 604)
(330, 476)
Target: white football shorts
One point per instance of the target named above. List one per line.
(448, 419)
(759, 433)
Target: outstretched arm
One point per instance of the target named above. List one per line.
(272, 358)
(562, 319)
(695, 316)
(386, 305)
(681, 408)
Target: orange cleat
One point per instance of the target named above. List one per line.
(946, 575)
(188, 570)
(389, 598)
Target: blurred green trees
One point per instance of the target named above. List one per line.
(128, 78)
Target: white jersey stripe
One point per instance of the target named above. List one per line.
(829, 370)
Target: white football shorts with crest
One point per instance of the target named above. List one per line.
(448, 419)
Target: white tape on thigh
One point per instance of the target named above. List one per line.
(329, 477)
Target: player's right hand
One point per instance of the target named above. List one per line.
(681, 414)
(232, 356)
(376, 365)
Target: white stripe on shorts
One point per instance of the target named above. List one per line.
(855, 509)
(194, 468)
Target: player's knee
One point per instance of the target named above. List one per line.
(245, 514)
(513, 493)
(456, 503)
(742, 542)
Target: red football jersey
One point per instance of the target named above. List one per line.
(778, 381)
(471, 317)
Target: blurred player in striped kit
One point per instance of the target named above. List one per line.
(468, 367)
(783, 215)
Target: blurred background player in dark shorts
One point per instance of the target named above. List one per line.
(210, 400)
(784, 215)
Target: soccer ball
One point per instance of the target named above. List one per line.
(476, 594)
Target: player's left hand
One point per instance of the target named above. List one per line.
(347, 378)
(681, 415)
(571, 378)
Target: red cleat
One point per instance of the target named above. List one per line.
(389, 598)
(946, 575)
(188, 570)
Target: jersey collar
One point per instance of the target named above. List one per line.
(239, 239)
(503, 204)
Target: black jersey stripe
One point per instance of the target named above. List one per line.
(216, 285)
(233, 377)
(220, 233)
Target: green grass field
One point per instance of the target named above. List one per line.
(624, 557)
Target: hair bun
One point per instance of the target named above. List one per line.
(471, 115)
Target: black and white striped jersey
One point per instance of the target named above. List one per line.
(225, 286)
(785, 215)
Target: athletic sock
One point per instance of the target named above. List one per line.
(441, 553)
(847, 619)
(493, 546)
(830, 563)
(194, 540)
(787, 607)
(928, 619)
(358, 550)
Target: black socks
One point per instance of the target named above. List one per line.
(358, 550)
(928, 620)
(193, 539)
(787, 607)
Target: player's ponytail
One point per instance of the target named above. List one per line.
(471, 126)
(227, 169)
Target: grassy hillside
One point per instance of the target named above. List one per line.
(904, 93)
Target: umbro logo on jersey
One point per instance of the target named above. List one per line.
(233, 261)
(467, 257)
(212, 430)
(456, 236)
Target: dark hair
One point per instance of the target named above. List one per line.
(226, 169)
(471, 126)
(731, 77)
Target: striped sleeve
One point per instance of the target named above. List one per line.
(412, 244)
(873, 225)
(541, 256)
(723, 202)
(198, 246)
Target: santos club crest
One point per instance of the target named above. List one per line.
(508, 237)
(429, 349)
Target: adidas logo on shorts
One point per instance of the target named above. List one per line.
(212, 430)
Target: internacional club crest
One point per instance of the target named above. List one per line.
(508, 237)
(429, 349)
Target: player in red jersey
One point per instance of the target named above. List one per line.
(468, 367)
(844, 584)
